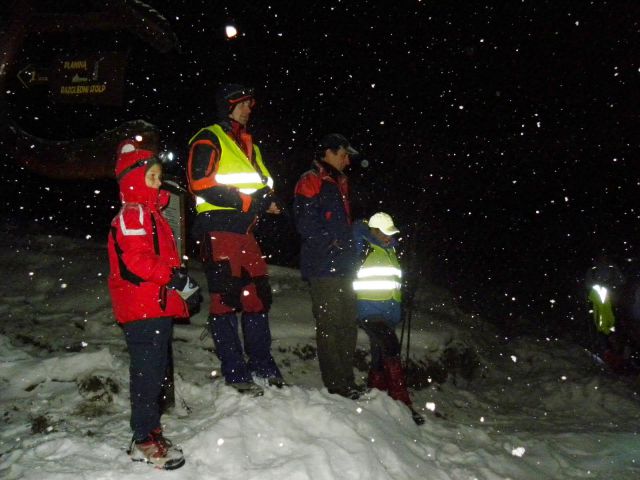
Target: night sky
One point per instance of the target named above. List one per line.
(504, 133)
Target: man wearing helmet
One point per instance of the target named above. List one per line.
(232, 188)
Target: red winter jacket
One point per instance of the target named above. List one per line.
(142, 251)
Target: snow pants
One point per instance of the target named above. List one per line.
(236, 273)
(334, 308)
(386, 372)
(148, 342)
(257, 346)
(238, 282)
(383, 341)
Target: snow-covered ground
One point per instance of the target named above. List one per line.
(496, 408)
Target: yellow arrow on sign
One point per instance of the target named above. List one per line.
(29, 76)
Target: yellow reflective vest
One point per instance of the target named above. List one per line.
(235, 169)
(379, 277)
(602, 310)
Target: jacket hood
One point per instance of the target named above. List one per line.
(131, 167)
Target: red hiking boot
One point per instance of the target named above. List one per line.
(377, 379)
(156, 450)
(397, 386)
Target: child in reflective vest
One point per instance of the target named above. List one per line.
(378, 291)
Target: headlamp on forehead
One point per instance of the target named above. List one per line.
(166, 157)
(230, 95)
(234, 93)
(147, 162)
(252, 102)
(241, 96)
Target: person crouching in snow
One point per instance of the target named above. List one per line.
(148, 289)
(378, 291)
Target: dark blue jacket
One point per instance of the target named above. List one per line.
(323, 220)
(389, 311)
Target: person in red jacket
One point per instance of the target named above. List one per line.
(148, 289)
(328, 260)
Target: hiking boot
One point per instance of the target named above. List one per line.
(158, 435)
(377, 379)
(359, 387)
(277, 382)
(157, 451)
(417, 417)
(397, 380)
(248, 388)
(349, 392)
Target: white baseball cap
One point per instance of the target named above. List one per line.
(383, 222)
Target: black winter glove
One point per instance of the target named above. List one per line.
(183, 283)
(260, 201)
(193, 303)
(179, 279)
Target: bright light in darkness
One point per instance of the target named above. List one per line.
(231, 31)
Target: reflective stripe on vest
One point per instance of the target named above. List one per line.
(235, 169)
(379, 276)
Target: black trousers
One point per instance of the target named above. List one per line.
(148, 342)
(383, 340)
(334, 308)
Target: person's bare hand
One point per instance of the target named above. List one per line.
(274, 209)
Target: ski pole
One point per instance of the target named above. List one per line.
(410, 286)
(408, 338)
(404, 321)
